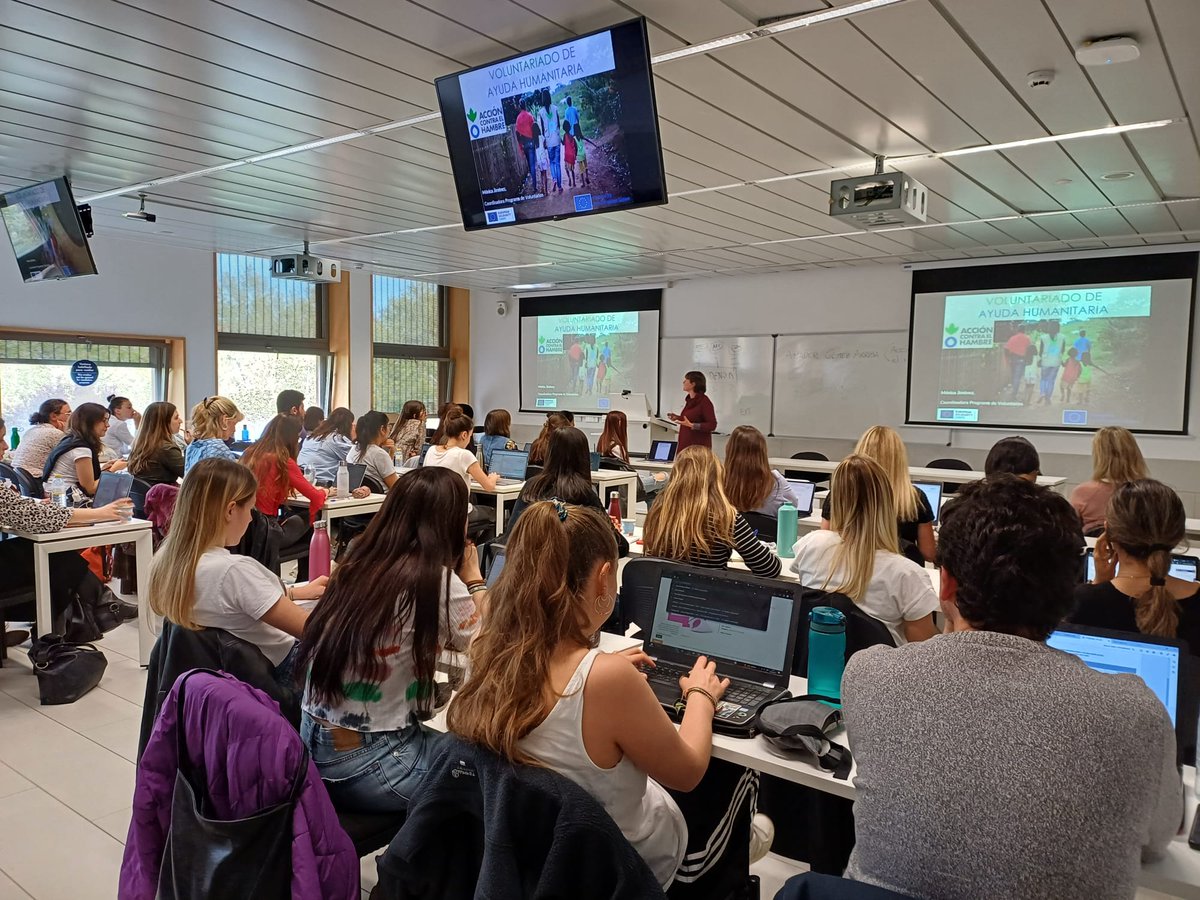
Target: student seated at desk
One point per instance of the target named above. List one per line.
(119, 438)
(155, 457)
(214, 420)
(613, 444)
(693, 522)
(452, 454)
(541, 443)
(49, 425)
(196, 583)
(327, 446)
(1133, 589)
(1116, 459)
(409, 433)
(371, 652)
(859, 556)
(537, 694)
(314, 416)
(750, 483)
(370, 439)
(496, 427)
(76, 459)
(914, 515)
(1015, 456)
(567, 476)
(1010, 769)
(272, 459)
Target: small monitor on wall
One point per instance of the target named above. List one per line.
(566, 130)
(46, 232)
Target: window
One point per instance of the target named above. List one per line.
(409, 334)
(272, 334)
(37, 367)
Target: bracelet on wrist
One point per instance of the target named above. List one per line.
(475, 581)
(699, 690)
(477, 589)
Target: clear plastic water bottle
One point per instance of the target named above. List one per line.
(56, 489)
(826, 651)
(343, 481)
(785, 530)
(310, 474)
(318, 550)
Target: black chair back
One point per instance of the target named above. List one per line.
(949, 462)
(766, 526)
(611, 464)
(638, 594)
(29, 485)
(814, 477)
(862, 630)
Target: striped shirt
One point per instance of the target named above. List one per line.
(754, 553)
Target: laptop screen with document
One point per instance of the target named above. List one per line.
(804, 491)
(1156, 663)
(510, 463)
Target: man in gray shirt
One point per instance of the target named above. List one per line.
(990, 765)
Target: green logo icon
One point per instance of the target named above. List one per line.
(951, 328)
(472, 115)
(541, 340)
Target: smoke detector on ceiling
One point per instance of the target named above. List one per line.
(1107, 51)
(1040, 79)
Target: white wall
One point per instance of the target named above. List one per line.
(863, 298)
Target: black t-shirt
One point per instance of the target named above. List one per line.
(907, 530)
(1103, 606)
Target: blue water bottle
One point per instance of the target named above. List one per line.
(785, 530)
(245, 433)
(826, 651)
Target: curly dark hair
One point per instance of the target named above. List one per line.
(1015, 455)
(1014, 548)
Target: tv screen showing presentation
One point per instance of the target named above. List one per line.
(1070, 345)
(45, 231)
(577, 349)
(566, 130)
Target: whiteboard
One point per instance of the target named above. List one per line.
(738, 370)
(839, 385)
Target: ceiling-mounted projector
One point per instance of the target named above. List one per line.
(303, 267)
(886, 198)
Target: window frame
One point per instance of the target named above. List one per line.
(159, 348)
(439, 353)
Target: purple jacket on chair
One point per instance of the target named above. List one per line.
(249, 751)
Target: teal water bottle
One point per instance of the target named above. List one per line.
(826, 651)
(785, 530)
(245, 433)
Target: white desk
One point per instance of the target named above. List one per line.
(603, 480)
(500, 494)
(337, 509)
(81, 537)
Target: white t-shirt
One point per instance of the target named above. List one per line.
(119, 438)
(380, 466)
(65, 467)
(899, 590)
(234, 593)
(456, 459)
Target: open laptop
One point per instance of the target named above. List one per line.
(662, 451)
(804, 491)
(747, 626)
(933, 493)
(1155, 660)
(495, 567)
(510, 465)
(1185, 567)
(111, 487)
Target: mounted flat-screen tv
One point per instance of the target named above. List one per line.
(570, 129)
(47, 231)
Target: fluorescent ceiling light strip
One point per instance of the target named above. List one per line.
(1052, 139)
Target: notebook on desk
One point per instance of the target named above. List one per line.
(510, 465)
(746, 625)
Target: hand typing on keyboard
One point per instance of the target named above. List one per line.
(704, 676)
(640, 660)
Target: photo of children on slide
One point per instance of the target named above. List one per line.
(1067, 370)
(589, 365)
(563, 151)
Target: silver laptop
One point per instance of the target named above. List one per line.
(510, 465)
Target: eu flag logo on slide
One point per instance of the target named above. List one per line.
(583, 203)
(1074, 416)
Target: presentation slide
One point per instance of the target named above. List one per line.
(573, 355)
(1059, 356)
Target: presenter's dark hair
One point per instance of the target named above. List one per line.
(699, 382)
(46, 410)
(1014, 455)
(1014, 550)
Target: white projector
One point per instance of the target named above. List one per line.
(889, 198)
(302, 267)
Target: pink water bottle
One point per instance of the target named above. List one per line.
(318, 550)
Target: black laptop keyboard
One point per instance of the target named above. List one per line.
(738, 692)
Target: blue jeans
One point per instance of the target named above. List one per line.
(555, 166)
(1049, 377)
(1017, 368)
(380, 775)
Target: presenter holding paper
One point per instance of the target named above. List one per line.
(698, 420)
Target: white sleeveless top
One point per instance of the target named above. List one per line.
(641, 807)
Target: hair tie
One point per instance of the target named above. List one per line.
(1156, 581)
(560, 508)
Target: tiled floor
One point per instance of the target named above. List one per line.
(66, 782)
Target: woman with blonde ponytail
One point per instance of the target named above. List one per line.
(1133, 589)
(538, 694)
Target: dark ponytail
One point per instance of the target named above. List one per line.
(115, 403)
(367, 430)
(1146, 520)
(46, 410)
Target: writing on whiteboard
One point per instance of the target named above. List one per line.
(895, 354)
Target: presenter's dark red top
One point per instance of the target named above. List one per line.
(698, 410)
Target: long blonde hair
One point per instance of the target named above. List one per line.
(153, 434)
(1145, 518)
(197, 525)
(1116, 456)
(862, 513)
(209, 415)
(692, 512)
(537, 606)
(748, 477)
(883, 445)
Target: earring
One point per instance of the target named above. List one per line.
(603, 603)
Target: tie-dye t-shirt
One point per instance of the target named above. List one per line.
(387, 705)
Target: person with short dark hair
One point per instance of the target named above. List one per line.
(1015, 456)
(313, 417)
(698, 420)
(565, 413)
(290, 403)
(497, 435)
(1052, 779)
